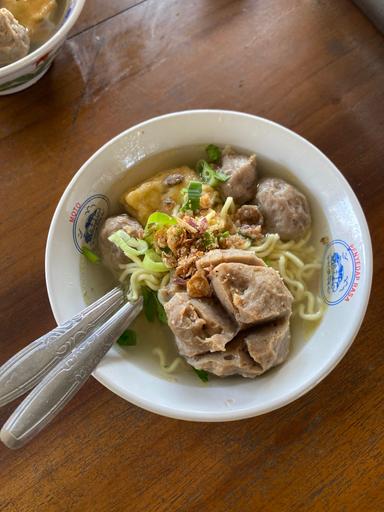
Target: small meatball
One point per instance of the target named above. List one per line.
(285, 209)
(213, 258)
(173, 179)
(14, 39)
(198, 286)
(242, 183)
(248, 214)
(251, 294)
(235, 360)
(249, 220)
(111, 255)
(199, 325)
(268, 344)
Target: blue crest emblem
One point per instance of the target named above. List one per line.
(89, 218)
(338, 272)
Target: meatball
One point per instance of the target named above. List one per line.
(235, 360)
(268, 344)
(14, 39)
(285, 209)
(199, 325)
(213, 258)
(242, 181)
(251, 294)
(249, 221)
(111, 255)
(248, 214)
(251, 353)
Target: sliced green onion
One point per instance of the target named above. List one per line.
(221, 176)
(194, 191)
(128, 338)
(209, 175)
(149, 304)
(213, 153)
(202, 374)
(161, 314)
(224, 235)
(205, 170)
(90, 255)
(153, 262)
(128, 244)
(159, 218)
(152, 306)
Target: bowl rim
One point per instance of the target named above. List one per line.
(296, 391)
(48, 45)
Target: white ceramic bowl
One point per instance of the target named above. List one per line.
(26, 71)
(134, 373)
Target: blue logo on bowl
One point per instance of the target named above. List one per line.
(340, 273)
(87, 218)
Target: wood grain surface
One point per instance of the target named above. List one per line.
(317, 67)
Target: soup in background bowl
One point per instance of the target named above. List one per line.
(339, 233)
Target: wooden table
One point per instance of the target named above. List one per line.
(317, 67)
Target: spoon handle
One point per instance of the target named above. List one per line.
(26, 368)
(61, 383)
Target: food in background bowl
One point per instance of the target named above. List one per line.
(31, 33)
(339, 235)
(227, 256)
(25, 25)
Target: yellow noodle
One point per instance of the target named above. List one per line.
(228, 206)
(310, 313)
(296, 287)
(265, 249)
(168, 368)
(139, 277)
(210, 215)
(295, 262)
(165, 280)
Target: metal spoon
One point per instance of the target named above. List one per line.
(65, 379)
(26, 368)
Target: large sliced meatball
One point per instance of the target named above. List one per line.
(199, 325)
(251, 294)
(251, 353)
(111, 255)
(234, 361)
(285, 209)
(213, 258)
(243, 177)
(268, 344)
